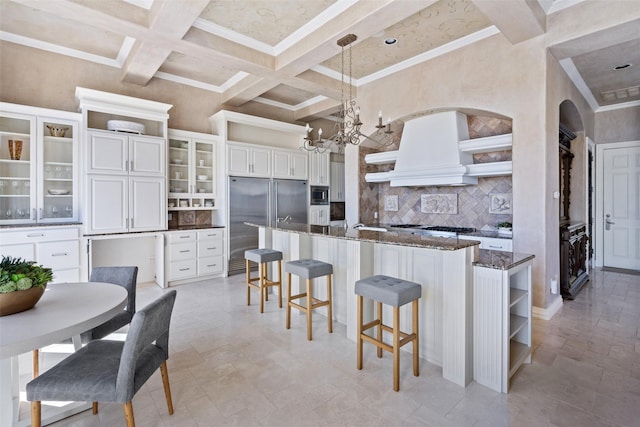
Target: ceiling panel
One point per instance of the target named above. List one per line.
(288, 95)
(197, 69)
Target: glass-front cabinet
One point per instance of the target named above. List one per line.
(192, 179)
(38, 159)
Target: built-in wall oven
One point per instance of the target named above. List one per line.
(319, 195)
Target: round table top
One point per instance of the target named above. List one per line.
(65, 310)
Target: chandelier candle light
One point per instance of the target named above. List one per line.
(348, 124)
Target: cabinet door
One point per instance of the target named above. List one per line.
(281, 164)
(299, 168)
(337, 182)
(146, 155)
(17, 169)
(147, 204)
(319, 168)
(319, 215)
(261, 161)
(107, 206)
(107, 153)
(238, 160)
(204, 165)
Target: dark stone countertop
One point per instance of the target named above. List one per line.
(500, 260)
(194, 227)
(389, 237)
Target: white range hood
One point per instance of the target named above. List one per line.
(432, 153)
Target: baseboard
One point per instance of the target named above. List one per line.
(549, 312)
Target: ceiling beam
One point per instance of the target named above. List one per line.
(517, 20)
(171, 18)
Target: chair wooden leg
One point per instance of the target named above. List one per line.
(94, 408)
(35, 414)
(288, 323)
(416, 347)
(330, 309)
(262, 286)
(36, 362)
(167, 388)
(248, 274)
(396, 348)
(128, 414)
(359, 333)
(265, 271)
(379, 311)
(280, 282)
(309, 310)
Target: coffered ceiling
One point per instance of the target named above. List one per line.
(283, 53)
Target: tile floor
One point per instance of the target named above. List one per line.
(229, 365)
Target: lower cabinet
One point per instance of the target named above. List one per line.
(192, 255)
(57, 248)
(491, 243)
(501, 323)
(319, 215)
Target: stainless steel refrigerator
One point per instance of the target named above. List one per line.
(261, 201)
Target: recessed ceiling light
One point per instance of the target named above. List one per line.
(390, 41)
(622, 67)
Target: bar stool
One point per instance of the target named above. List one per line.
(396, 293)
(262, 257)
(309, 269)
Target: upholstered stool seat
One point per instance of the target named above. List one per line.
(261, 282)
(395, 293)
(309, 269)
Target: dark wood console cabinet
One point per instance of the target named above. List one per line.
(573, 259)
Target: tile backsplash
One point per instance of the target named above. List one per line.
(468, 206)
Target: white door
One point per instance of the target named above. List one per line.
(238, 160)
(147, 204)
(281, 164)
(621, 203)
(299, 166)
(107, 204)
(107, 153)
(146, 156)
(260, 162)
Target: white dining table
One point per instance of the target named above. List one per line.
(64, 311)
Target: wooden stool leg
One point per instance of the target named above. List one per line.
(128, 414)
(167, 388)
(416, 341)
(94, 408)
(309, 310)
(379, 310)
(280, 282)
(330, 309)
(359, 333)
(265, 271)
(262, 287)
(248, 287)
(35, 414)
(36, 362)
(288, 324)
(396, 348)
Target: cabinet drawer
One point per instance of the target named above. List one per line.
(209, 265)
(65, 276)
(38, 234)
(210, 248)
(26, 251)
(215, 233)
(496, 244)
(181, 236)
(182, 269)
(182, 251)
(59, 255)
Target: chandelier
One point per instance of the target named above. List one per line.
(348, 124)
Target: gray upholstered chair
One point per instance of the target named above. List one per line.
(111, 371)
(122, 276)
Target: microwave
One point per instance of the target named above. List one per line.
(319, 195)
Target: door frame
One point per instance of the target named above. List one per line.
(599, 196)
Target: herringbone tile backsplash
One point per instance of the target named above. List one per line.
(473, 201)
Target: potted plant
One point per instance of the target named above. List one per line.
(22, 283)
(505, 228)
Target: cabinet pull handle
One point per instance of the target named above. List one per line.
(185, 251)
(495, 247)
(183, 237)
(40, 213)
(185, 269)
(211, 265)
(60, 254)
(210, 249)
(33, 214)
(35, 235)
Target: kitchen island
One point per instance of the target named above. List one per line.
(443, 266)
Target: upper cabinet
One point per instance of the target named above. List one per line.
(289, 164)
(336, 193)
(248, 160)
(38, 165)
(319, 171)
(125, 175)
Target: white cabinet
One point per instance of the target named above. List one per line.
(501, 320)
(57, 248)
(289, 164)
(319, 173)
(491, 243)
(194, 254)
(125, 174)
(38, 165)
(248, 160)
(117, 153)
(336, 193)
(319, 215)
(192, 170)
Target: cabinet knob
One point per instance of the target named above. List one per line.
(60, 254)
